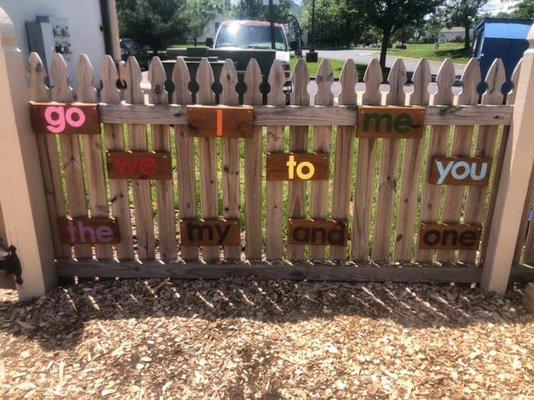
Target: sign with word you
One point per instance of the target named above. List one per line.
(84, 230)
(390, 122)
(210, 232)
(449, 237)
(297, 166)
(65, 119)
(469, 171)
(317, 232)
(220, 121)
(139, 165)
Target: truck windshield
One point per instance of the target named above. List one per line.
(250, 37)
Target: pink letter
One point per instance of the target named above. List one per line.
(72, 231)
(82, 230)
(55, 116)
(79, 121)
(148, 166)
(104, 234)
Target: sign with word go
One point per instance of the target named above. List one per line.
(210, 232)
(449, 237)
(469, 171)
(297, 166)
(220, 121)
(317, 232)
(139, 165)
(65, 119)
(84, 230)
(390, 122)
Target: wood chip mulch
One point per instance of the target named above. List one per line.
(256, 339)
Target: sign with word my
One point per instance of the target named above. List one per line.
(65, 119)
(469, 171)
(139, 165)
(220, 121)
(85, 230)
(390, 122)
(449, 237)
(297, 166)
(210, 232)
(317, 232)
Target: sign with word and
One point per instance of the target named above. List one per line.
(449, 237)
(317, 232)
(297, 166)
(220, 121)
(210, 232)
(65, 119)
(469, 171)
(85, 230)
(138, 165)
(390, 122)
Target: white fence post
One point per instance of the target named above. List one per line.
(513, 187)
(21, 186)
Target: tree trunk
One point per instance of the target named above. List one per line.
(467, 38)
(195, 41)
(384, 49)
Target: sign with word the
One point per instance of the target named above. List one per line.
(84, 230)
(210, 232)
(297, 166)
(139, 165)
(220, 121)
(317, 232)
(65, 119)
(390, 122)
(449, 236)
(469, 171)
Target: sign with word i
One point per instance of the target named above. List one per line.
(85, 230)
(317, 232)
(449, 236)
(468, 171)
(139, 165)
(210, 232)
(297, 166)
(220, 121)
(65, 119)
(390, 122)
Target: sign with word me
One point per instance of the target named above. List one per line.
(390, 122)
(210, 232)
(297, 166)
(449, 237)
(469, 171)
(139, 165)
(65, 119)
(220, 121)
(85, 230)
(317, 232)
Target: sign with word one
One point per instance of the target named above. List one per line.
(210, 232)
(469, 171)
(65, 119)
(220, 121)
(297, 166)
(139, 165)
(85, 230)
(317, 232)
(449, 236)
(390, 122)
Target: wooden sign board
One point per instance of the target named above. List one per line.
(139, 165)
(468, 171)
(390, 122)
(65, 119)
(317, 232)
(210, 232)
(449, 237)
(84, 230)
(220, 121)
(297, 166)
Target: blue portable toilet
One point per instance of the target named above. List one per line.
(500, 38)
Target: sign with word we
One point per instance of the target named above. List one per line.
(139, 165)
(317, 232)
(84, 230)
(390, 122)
(220, 121)
(469, 171)
(449, 237)
(210, 232)
(65, 119)
(297, 166)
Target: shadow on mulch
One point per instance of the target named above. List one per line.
(57, 320)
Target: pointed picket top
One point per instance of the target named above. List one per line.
(157, 79)
(205, 81)
(253, 80)
(348, 79)
(372, 79)
(61, 91)
(181, 79)
(300, 79)
(397, 79)
(228, 81)
(86, 90)
(445, 79)
(277, 79)
(37, 74)
(421, 78)
(133, 77)
(510, 99)
(109, 93)
(470, 80)
(495, 79)
(324, 80)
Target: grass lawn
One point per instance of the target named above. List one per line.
(337, 66)
(454, 51)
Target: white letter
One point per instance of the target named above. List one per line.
(443, 172)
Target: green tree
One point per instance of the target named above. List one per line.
(525, 9)
(254, 9)
(199, 13)
(464, 13)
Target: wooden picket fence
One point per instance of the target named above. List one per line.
(378, 187)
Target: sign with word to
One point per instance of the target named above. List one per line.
(210, 232)
(65, 119)
(139, 165)
(390, 122)
(220, 121)
(317, 232)
(297, 166)
(449, 237)
(84, 230)
(469, 171)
